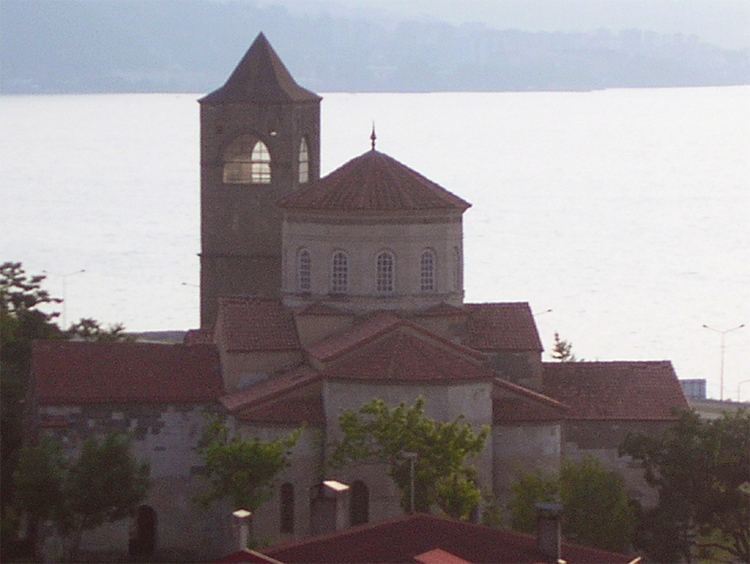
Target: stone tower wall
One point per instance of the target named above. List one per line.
(240, 223)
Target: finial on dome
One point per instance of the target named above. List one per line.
(373, 137)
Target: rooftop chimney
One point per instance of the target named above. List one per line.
(242, 518)
(329, 507)
(548, 529)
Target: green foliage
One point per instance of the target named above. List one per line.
(105, 484)
(527, 491)
(242, 470)
(88, 329)
(596, 509)
(562, 350)
(589, 490)
(377, 432)
(699, 468)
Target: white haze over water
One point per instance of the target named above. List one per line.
(625, 211)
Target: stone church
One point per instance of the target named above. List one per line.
(318, 295)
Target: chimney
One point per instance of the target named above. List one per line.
(242, 519)
(548, 529)
(329, 507)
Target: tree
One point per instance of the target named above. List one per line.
(242, 470)
(22, 320)
(699, 468)
(562, 350)
(88, 329)
(442, 478)
(105, 484)
(596, 509)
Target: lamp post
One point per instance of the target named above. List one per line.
(723, 334)
(411, 457)
(64, 292)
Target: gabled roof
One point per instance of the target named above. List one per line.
(256, 324)
(625, 390)
(512, 403)
(260, 77)
(323, 310)
(501, 327)
(288, 411)
(373, 181)
(269, 389)
(336, 345)
(402, 356)
(442, 310)
(66, 372)
(404, 538)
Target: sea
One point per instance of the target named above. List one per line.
(621, 216)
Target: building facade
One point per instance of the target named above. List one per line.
(317, 296)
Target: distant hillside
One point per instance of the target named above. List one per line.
(192, 45)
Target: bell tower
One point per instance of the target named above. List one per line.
(260, 140)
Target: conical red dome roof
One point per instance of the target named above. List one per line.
(373, 182)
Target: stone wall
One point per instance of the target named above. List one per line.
(165, 436)
(362, 239)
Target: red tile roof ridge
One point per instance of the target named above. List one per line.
(532, 394)
(570, 552)
(270, 388)
(374, 327)
(373, 181)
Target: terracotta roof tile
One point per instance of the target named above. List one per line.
(260, 77)
(373, 182)
(318, 308)
(255, 324)
(271, 388)
(640, 390)
(341, 343)
(288, 411)
(67, 372)
(501, 326)
(442, 310)
(402, 356)
(403, 538)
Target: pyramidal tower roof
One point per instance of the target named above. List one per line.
(260, 77)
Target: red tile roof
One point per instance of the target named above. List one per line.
(296, 411)
(402, 356)
(372, 328)
(66, 372)
(442, 310)
(318, 308)
(403, 538)
(260, 77)
(269, 389)
(638, 390)
(512, 403)
(501, 327)
(256, 324)
(373, 181)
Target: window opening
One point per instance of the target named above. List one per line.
(384, 272)
(360, 503)
(287, 508)
(340, 273)
(260, 163)
(303, 270)
(427, 271)
(304, 162)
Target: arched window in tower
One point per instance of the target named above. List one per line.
(286, 512)
(384, 272)
(427, 271)
(304, 268)
(339, 273)
(304, 162)
(260, 164)
(359, 509)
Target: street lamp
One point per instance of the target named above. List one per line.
(411, 457)
(64, 292)
(721, 370)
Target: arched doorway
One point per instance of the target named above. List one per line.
(143, 541)
(360, 503)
